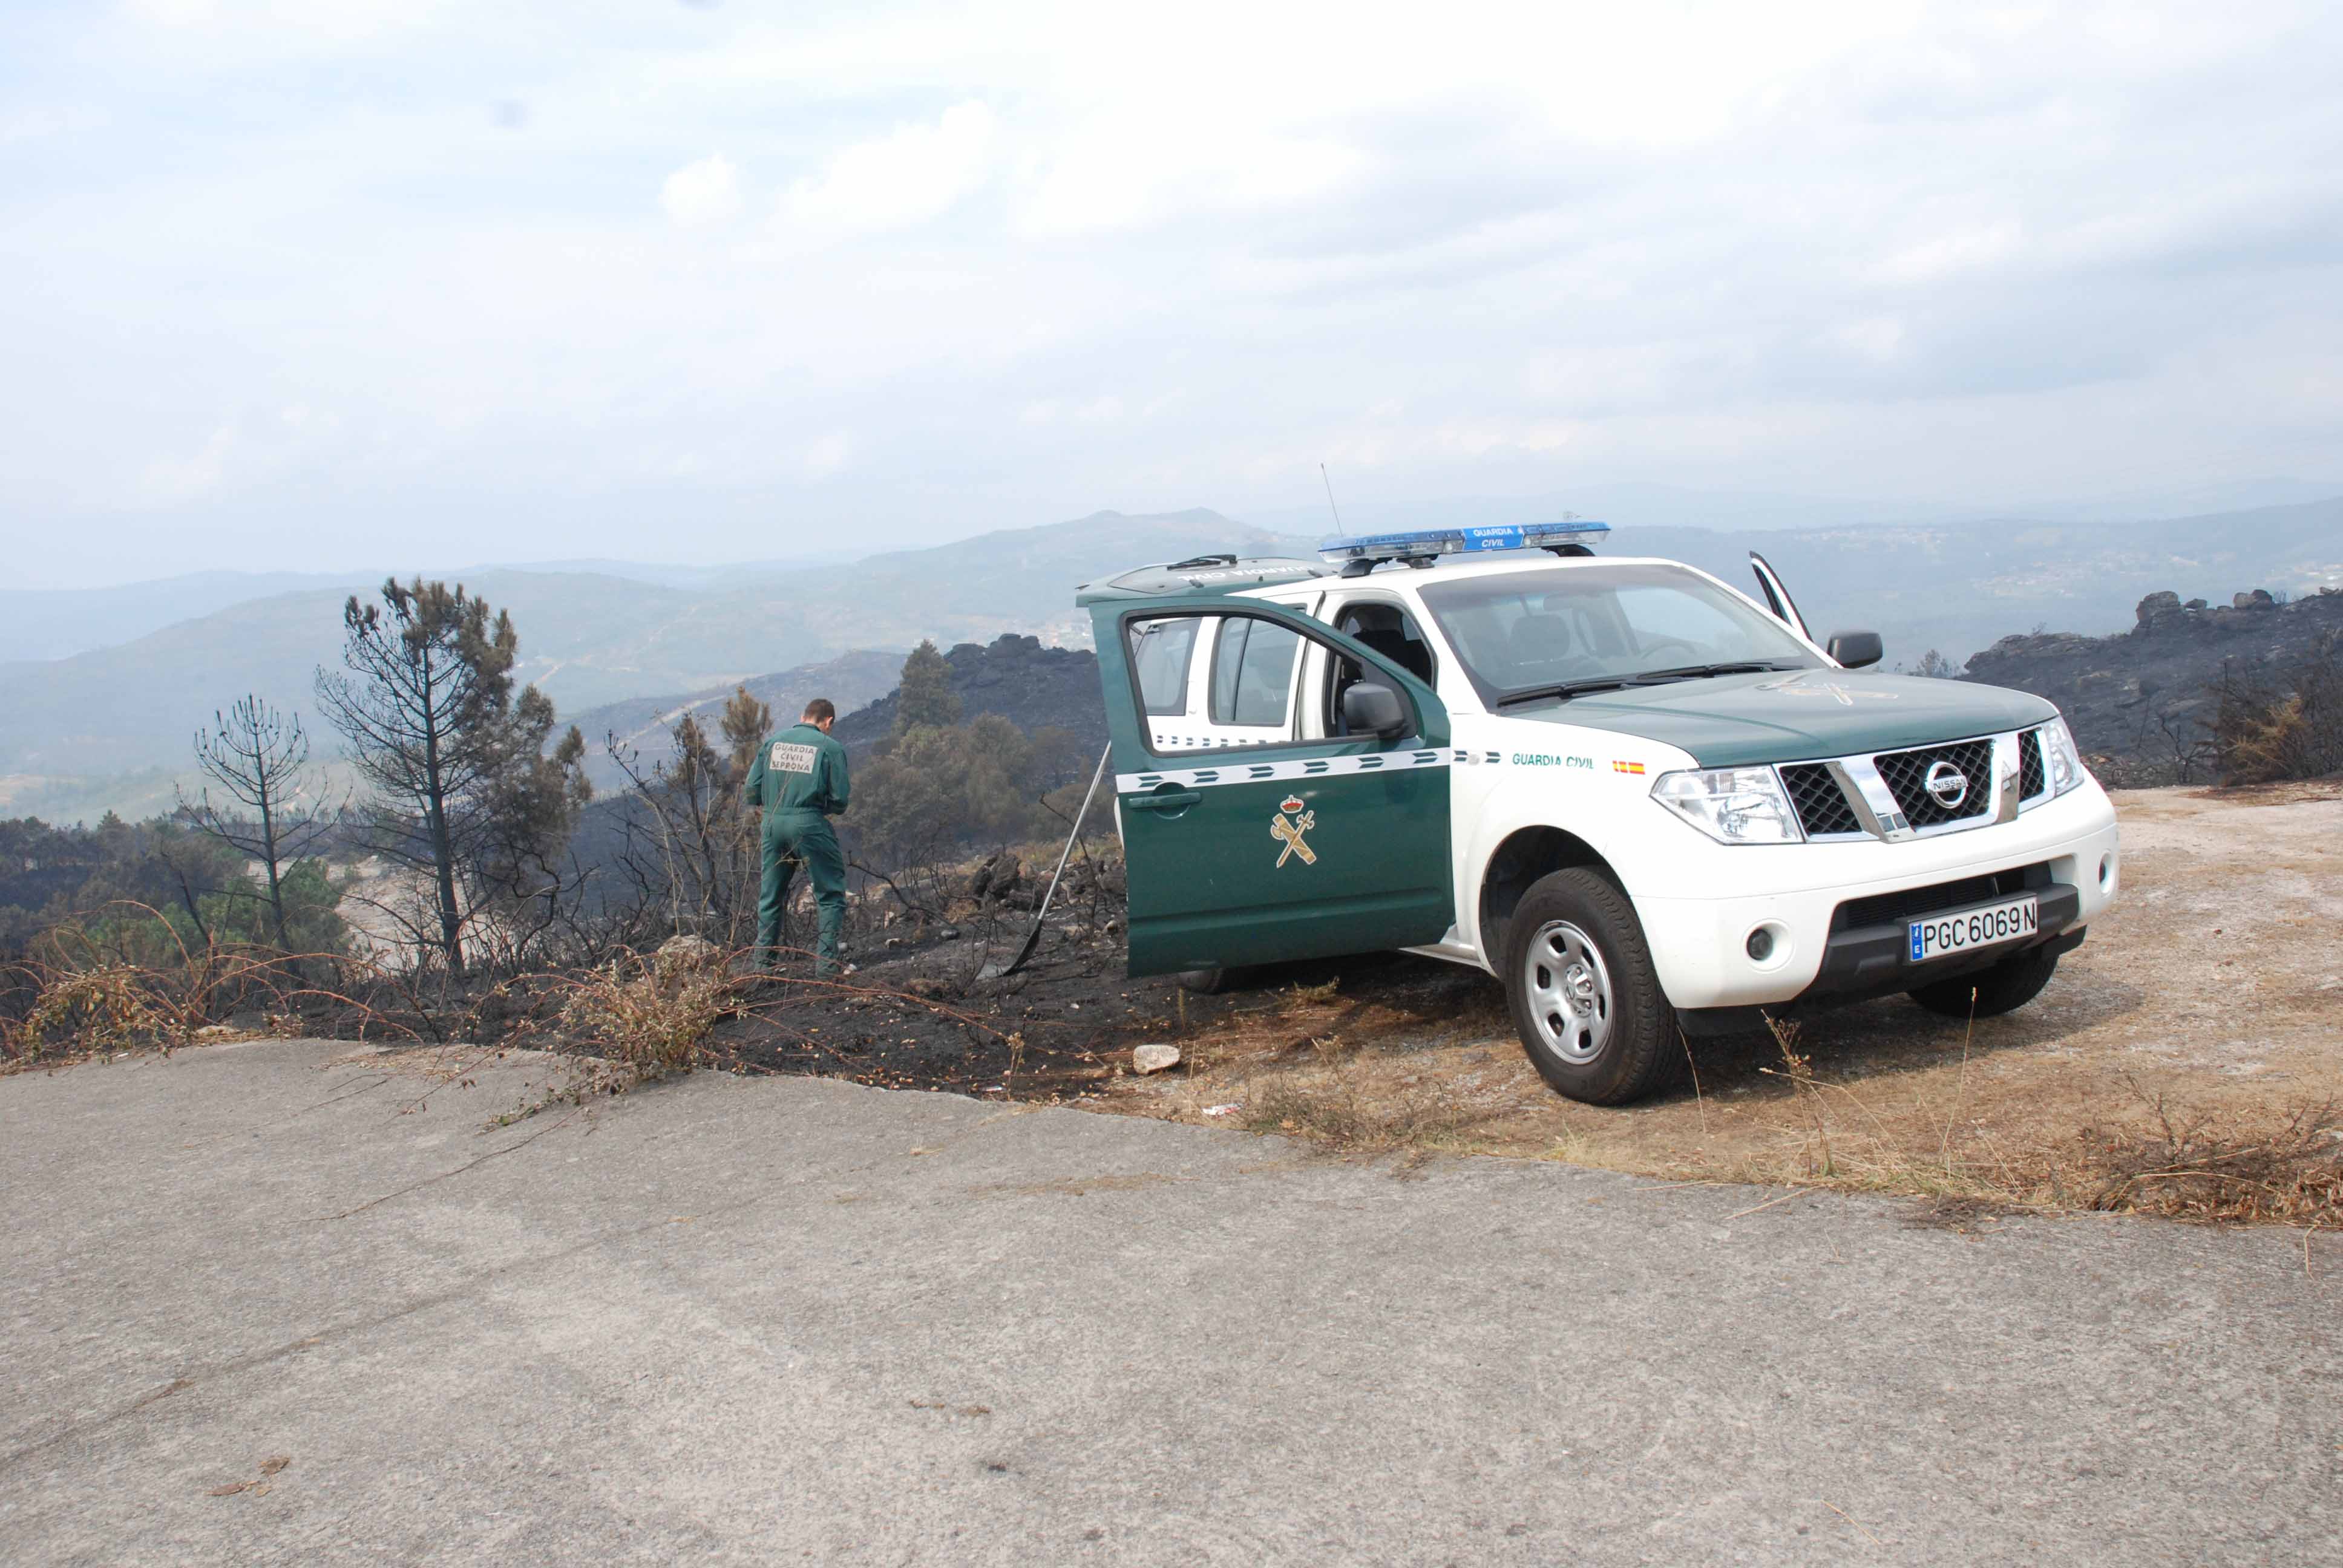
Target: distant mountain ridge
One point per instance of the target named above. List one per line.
(642, 728)
(137, 704)
(591, 639)
(586, 639)
(1958, 587)
(43, 624)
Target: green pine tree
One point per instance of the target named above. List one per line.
(926, 699)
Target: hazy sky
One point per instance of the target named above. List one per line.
(316, 282)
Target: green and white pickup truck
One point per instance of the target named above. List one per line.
(1652, 807)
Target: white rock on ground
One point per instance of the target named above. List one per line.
(1154, 1057)
(678, 953)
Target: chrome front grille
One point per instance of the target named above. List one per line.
(1885, 795)
(1940, 784)
(2031, 778)
(1822, 806)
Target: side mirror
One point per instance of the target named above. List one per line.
(1855, 650)
(1371, 709)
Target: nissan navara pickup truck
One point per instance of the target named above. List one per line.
(1652, 807)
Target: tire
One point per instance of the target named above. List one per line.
(2005, 988)
(1585, 996)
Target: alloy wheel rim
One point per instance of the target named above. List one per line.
(1569, 990)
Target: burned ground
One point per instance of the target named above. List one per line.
(2199, 1030)
(2187, 1058)
(919, 1016)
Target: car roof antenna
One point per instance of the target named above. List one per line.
(1357, 568)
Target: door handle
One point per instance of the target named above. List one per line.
(1174, 800)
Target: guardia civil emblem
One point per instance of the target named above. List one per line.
(1799, 686)
(1293, 820)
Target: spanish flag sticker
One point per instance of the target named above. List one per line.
(1618, 767)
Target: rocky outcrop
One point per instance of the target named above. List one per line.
(2139, 694)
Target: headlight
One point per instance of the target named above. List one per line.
(1731, 805)
(2059, 759)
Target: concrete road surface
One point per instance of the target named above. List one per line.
(778, 1321)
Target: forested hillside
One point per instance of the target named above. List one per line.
(1032, 686)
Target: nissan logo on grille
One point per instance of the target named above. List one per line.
(1946, 785)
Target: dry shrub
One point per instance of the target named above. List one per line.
(2287, 1169)
(1807, 1089)
(114, 1007)
(2267, 730)
(647, 1019)
(2284, 1168)
(96, 1005)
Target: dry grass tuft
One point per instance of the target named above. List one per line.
(1342, 1112)
(2278, 1165)
(2222, 1170)
(647, 1018)
(1808, 1090)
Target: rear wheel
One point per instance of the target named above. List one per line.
(2005, 988)
(1585, 997)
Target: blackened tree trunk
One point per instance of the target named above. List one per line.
(256, 755)
(461, 786)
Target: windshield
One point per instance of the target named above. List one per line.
(1534, 630)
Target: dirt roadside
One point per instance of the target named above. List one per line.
(2202, 1022)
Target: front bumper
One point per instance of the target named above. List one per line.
(1699, 945)
(1864, 962)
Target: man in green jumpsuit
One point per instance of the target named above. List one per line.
(799, 782)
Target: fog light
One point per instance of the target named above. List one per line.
(1760, 945)
(2106, 870)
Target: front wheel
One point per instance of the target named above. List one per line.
(2005, 988)
(1585, 997)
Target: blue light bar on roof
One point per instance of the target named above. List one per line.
(1417, 543)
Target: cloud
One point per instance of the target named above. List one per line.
(1952, 255)
(195, 477)
(1876, 339)
(827, 454)
(1035, 257)
(903, 179)
(39, 125)
(1127, 171)
(273, 28)
(702, 195)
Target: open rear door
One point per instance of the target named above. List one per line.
(1272, 845)
(1777, 597)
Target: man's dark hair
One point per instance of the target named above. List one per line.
(819, 708)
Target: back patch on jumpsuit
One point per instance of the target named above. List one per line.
(789, 759)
